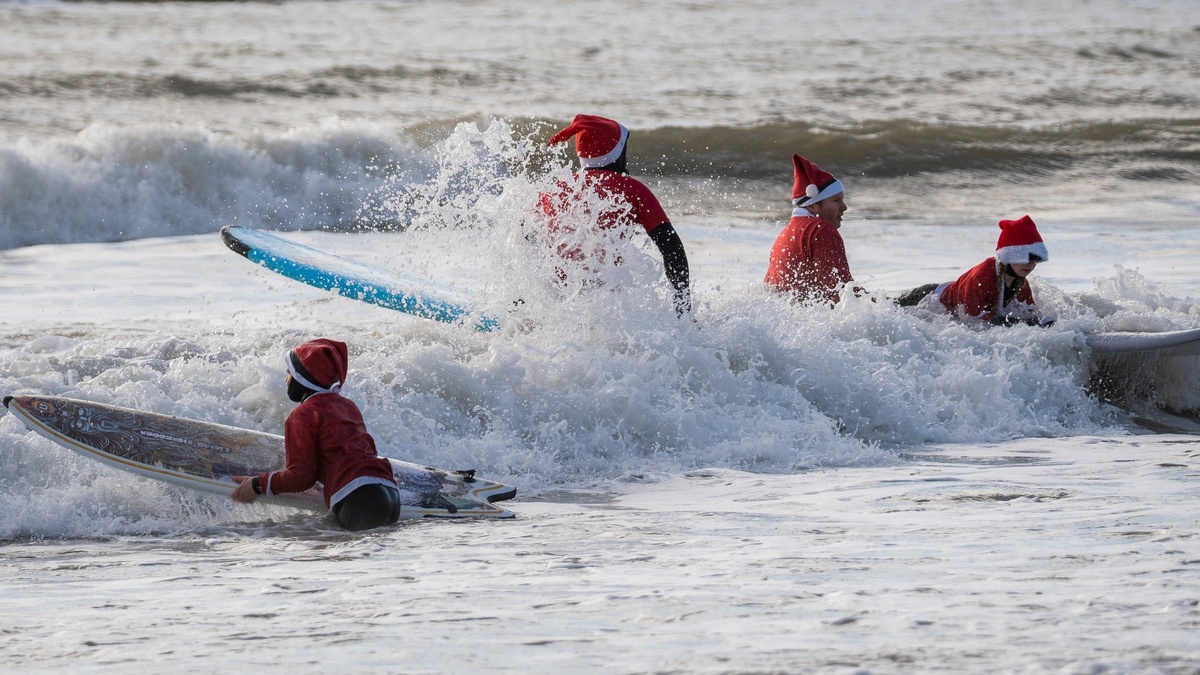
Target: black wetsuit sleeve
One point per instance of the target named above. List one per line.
(676, 263)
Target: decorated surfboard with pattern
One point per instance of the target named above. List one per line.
(204, 456)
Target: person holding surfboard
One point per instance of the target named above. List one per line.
(997, 289)
(808, 260)
(326, 440)
(601, 145)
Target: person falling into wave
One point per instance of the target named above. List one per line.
(808, 260)
(997, 289)
(601, 144)
(326, 440)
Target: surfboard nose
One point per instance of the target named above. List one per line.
(236, 245)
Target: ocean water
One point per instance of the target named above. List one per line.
(765, 488)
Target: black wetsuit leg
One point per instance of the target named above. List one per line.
(369, 506)
(910, 298)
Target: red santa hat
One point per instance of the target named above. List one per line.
(599, 141)
(812, 184)
(1019, 239)
(319, 365)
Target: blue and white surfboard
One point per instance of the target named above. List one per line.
(351, 278)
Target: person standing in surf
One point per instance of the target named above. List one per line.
(808, 260)
(997, 289)
(623, 202)
(326, 440)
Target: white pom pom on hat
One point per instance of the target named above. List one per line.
(811, 184)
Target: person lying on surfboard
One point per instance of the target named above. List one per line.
(601, 146)
(326, 440)
(997, 289)
(808, 260)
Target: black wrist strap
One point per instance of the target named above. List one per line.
(256, 483)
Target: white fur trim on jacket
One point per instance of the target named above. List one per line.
(357, 483)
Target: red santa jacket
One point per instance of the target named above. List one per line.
(977, 292)
(326, 440)
(624, 200)
(808, 260)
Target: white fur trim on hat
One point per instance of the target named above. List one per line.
(809, 198)
(606, 159)
(1019, 255)
(291, 369)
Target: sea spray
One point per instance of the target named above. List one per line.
(583, 384)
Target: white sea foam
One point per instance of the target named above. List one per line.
(769, 488)
(582, 384)
(956, 561)
(116, 183)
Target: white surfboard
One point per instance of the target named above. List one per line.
(1170, 343)
(204, 456)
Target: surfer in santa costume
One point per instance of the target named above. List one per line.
(326, 440)
(997, 289)
(624, 201)
(808, 260)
